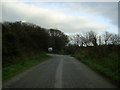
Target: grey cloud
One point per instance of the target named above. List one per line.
(49, 18)
(108, 10)
(65, 0)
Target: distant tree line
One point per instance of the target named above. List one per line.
(58, 40)
(92, 39)
(26, 38)
(19, 38)
(99, 51)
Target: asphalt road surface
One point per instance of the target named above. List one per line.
(60, 71)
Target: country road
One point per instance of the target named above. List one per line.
(61, 71)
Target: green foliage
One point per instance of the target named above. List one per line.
(26, 62)
(22, 38)
(58, 40)
(105, 59)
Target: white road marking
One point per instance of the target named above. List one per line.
(58, 83)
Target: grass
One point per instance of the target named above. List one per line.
(104, 70)
(26, 62)
(106, 64)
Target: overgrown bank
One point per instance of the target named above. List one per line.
(24, 63)
(25, 45)
(104, 59)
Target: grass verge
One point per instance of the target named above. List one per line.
(26, 62)
(102, 67)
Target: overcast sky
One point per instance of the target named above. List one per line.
(69, 17)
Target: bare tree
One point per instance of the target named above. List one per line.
(93, 38)
(77, 39)
(85, 39)
(100, 40)
(107, 37)
(114, 39)
(118, 39)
